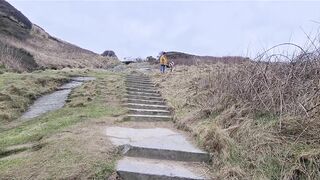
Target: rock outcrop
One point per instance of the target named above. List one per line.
(109, 53)
(13, 22)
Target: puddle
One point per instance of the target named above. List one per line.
(55, 100)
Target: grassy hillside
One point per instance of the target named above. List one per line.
(68, 143)
(19, 37)
(260, 119)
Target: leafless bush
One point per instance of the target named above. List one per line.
(268, 108)
(268, 86)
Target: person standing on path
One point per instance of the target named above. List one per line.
(163, 62)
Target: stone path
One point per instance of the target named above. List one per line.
(153, 153)
(55, 100)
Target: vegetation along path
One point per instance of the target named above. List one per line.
(152, 147)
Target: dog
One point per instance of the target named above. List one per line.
(171, 66)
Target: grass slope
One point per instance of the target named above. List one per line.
(68, 143)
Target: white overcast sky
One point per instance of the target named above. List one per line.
(142, 28)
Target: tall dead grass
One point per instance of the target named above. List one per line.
(259, 118)
(284, 96)
(16, 59)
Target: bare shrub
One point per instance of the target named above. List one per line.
(287, 92)
(261, 117)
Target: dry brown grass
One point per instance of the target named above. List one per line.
(17, 59)
(260, 119)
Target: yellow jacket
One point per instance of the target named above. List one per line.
(163, 60)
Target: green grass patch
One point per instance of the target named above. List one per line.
(93, 106)
(6, 164)
(266, 118)
(34, 130)
(103, 169)
(64, 158)
(271, 167)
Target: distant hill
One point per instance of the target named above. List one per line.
(189, 59)
(25, 46)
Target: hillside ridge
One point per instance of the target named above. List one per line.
(19, 36)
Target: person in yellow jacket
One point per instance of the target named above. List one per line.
(163, 62)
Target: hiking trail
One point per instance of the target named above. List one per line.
(151, 146)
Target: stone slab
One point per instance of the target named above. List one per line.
(155, 138)
(142, 117)
(141, 87)
(138, 78)
(149, 169)
(149, 112)
(142, 90)
(139, 82)
(133, 96)
(142, 101)
(146, 106)
(143, 94)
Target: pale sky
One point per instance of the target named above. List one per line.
(143, 28)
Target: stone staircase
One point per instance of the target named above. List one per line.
(153, 153)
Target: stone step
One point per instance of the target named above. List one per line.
(142, 101)
(141, 117)
(155, 143)
(149, 112)
(153, 98)
(138, 82)
(146, 106)
(142, 76)
(143, 94)
(142, 90)
(141, 83)
(139, 78)
(142, 87)
(130, 168)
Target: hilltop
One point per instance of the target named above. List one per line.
(188, 59)
(26, 46)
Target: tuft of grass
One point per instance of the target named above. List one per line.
(104, 170)
(265, 118)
